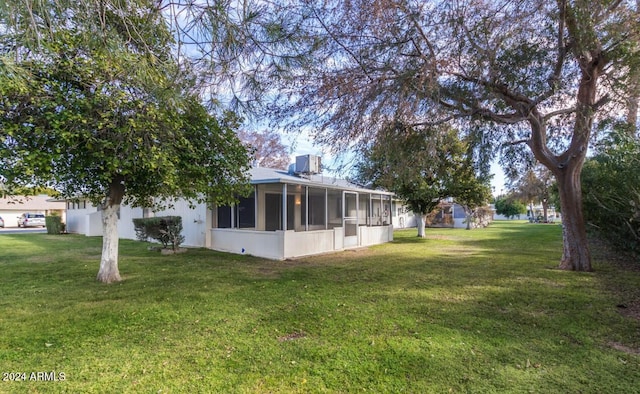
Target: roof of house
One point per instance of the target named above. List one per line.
(29, 203)
(261, 175)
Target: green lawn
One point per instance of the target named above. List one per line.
(482, 311)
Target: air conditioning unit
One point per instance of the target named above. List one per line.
(308, 164)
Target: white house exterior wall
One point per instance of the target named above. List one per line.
(267, 244)
(194, 226)
(88, 221)
(125, 221)
(280, 245)
(304, 243)
(375, 235)
(78, 219)
(93, 224)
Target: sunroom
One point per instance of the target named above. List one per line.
(300, 213)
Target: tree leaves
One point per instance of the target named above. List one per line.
(611, 189)
(106, 99)
(423, 166)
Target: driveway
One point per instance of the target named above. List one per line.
(18, 230)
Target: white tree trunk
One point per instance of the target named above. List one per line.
(109, 262)
(420, 224)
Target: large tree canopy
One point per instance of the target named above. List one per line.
(423, 165)
(535, 73)
(95, 105)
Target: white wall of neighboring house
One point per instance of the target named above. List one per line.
(406, 219)
(194, 222)
(77, 217)
(85, 218)
(403, 217)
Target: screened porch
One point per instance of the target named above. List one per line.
(290, 219)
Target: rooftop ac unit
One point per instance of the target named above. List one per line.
(308, 164)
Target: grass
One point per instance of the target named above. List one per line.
(481, 311)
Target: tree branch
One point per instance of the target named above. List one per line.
(522, 141)
(558, 112)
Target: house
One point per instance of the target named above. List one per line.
(11, 207)
(85, 218)
(450, 214)
(292, 213)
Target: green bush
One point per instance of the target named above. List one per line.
(54, 224)
(611, 190)
(164, 229)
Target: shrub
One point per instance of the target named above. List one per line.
(611, 190)
(164, 229)
(54, 224)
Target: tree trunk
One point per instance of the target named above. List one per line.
(632, 112)
(109, 262)
(567, 166)
(109, 272)
(420, 225)
(545, 211)
(576, 255)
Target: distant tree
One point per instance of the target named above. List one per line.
(267, 147)
(510, 207)
(534, 187)
(422, 166)
(94, 105)
(27, 191)
(469, 190)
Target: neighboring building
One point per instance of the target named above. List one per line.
(403, 216)
(446, 214)
(11, 207)
(290, 214)
(85, 218)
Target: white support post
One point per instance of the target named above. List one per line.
(284, 207)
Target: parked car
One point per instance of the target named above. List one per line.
(31, 220)
(1, 222)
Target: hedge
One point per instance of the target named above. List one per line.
(54, 224)
(164, 229)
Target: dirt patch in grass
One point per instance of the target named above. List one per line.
(624, 348)
(292, 336)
